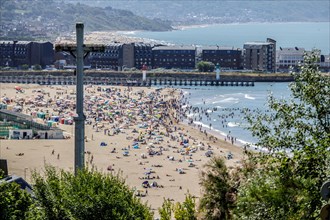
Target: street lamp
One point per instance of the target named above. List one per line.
(79, 51)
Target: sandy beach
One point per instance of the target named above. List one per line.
(136, 131)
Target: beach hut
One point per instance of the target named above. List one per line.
(55, 118)
(62, 120)
(41, 115)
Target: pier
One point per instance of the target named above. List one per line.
(131, 81)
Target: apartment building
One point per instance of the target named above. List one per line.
(227, 57)
(143, 55)
(181, 57)
(260, 56)
(109, 59)
(18, 53)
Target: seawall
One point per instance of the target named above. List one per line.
(228, 77)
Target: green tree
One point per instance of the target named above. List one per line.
(15, 203)
(182, 211)
(89, 195)
(166, 210)
(25, 67)
(218, 197)
(185, 210)
(204, 66)
(37, 67)
(287, 179)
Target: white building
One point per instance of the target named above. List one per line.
(287, 58)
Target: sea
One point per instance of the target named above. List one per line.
(308, 35)
(224, 105)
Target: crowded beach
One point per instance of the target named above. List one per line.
(141, 133)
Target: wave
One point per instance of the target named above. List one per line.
(227, 100)
(233, 124)
(249, 97)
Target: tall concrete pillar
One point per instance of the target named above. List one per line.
(80, 118)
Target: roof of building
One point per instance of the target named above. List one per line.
(258, 43)
(291, 51)
(17, 114)
(219, 48)
(26, 118)
(17, 42)
(174, 48)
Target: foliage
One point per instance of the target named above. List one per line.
(89, 195)
(288, 177)
(182, 211)
(166, 210)
(37, 67)
(15, 203)
(25, 67)
(185, 210)
(218, 198)
(204, 66)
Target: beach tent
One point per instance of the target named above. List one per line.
(154, 184)
(103, 144)
(145, 184)
(180, 170)
(208, 153)
(125, 153)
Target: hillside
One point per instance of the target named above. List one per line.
(222, 11)
(46, 19)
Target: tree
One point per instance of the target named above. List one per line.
(185, 210)
(204, 66)
(166, 210)
(25, 67)
(288, 177)
(89, 195)
(219, 194)
(15, 203)
(182, 211)
(37, 67)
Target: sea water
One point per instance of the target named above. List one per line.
(308, 35)
(225, 105)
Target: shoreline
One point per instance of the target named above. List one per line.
(185, 27)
